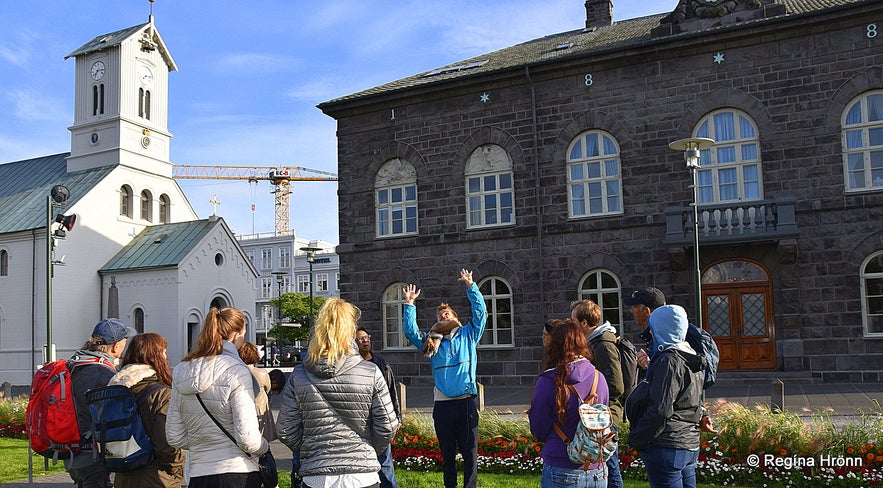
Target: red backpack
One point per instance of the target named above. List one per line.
(51, 414)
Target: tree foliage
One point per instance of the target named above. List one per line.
(295, 308)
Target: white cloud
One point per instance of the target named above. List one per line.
(29, 104)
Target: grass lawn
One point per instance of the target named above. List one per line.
(14, 453)
(414, 479)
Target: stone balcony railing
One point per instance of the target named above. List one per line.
(733, 223)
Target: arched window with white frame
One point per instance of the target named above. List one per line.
(602, 287)
(730, 170)
(126, 203)
(490, 194)
(165, 209)
(497, 294)
(146, 206)
(872, 295)
(396, 199)
(594, 180)
(4, 262)
(393, 335)
(862, 140)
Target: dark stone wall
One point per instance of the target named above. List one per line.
(794, 81)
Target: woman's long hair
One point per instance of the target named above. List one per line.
(218, 326)
(567, 345)
(149, 348)
(334, 332)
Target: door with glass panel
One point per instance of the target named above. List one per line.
(738, 312)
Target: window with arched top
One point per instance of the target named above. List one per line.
(594, 181)
(98, 99)
(147, 206)
(393, 336)
(729, 170)
(497, 295)
(138, 320)
(4, 262)
(144, 103)
(396, 198)
(490, 196)
(872, 295)
(165, 210)
(126, 202)
(602, 287)
(862, 140)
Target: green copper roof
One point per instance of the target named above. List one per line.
(160, 246)
(24, 186)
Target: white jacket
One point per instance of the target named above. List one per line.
(226, 386)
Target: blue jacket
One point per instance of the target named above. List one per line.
(453, 366)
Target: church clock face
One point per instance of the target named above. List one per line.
(145, 76)
(97, 70)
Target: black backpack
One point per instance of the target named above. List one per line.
(628, 363)
(703, 343)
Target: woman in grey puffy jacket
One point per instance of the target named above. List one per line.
(213, 372)
(336, 412)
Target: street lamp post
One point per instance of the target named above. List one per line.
(311, 252)
(692, 148)
(279, 275)
(56, 198)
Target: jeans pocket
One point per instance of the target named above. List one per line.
(562, 480)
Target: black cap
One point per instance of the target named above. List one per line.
(648, 297)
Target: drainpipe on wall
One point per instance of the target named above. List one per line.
(537, 188)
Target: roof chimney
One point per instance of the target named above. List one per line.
(599, 13)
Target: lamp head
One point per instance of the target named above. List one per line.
(60, 194)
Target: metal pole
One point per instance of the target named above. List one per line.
(50, 352)
(698, 269)
(310, 260)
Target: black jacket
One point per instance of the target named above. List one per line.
(665, 411)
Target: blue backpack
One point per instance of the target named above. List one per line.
(703, 343)
(119, 432)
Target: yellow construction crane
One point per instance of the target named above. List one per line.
(279, 176)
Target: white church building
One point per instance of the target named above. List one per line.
(137, 249)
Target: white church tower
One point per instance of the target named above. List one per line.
(121, 102)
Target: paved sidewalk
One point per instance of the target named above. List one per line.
(846, 399)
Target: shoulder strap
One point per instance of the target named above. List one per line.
(590, 398)
(219, 424)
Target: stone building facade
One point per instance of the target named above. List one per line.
(546, 168)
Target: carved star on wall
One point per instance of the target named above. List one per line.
(485, 98)
(719, 58)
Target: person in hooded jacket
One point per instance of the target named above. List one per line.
(143, 365)
(336, 414)
(554, 404)
(213, 371)
(665, 409)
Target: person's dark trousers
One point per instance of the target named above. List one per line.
(670, 468)
(92, 476)
(456, 425)
(614, 476)
(387, 469)
(227, 480)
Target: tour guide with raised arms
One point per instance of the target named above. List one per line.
(451, 348)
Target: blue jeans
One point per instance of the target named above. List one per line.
(614, 476)
(572, 478)
(670, 468)
(387, 470)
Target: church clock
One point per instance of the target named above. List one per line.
(97, 70)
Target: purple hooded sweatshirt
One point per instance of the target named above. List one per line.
(543, 411)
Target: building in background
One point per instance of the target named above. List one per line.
(545, 167)
(283, 267)
(136, 249)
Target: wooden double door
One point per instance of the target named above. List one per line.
(738, 312)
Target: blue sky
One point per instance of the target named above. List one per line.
(251, 74)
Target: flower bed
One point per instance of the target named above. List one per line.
(757, 447)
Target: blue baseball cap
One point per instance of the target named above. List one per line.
(112, 331)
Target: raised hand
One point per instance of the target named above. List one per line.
(465, 277)
(410, 293)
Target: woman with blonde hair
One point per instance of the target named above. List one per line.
(212, 389)
(144, 368)
(336, 413)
